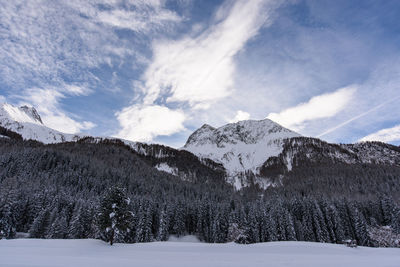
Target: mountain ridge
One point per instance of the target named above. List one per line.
(247, 153)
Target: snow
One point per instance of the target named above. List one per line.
(241, 147)
(27, 122)
(41, 252)
(21, 114)
(166, 168)
(184, 239)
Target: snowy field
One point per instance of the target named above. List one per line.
(35, 252)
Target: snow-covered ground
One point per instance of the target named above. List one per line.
(35, 252)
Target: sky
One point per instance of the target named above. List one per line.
(156, 70)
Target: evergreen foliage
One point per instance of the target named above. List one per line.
(114, 216)
(68, 191)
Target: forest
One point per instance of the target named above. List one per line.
(107, 190)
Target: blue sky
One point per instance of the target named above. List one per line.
(156, 70)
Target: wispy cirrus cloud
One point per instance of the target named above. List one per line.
(385, 135)
(318, 107)
(198, 70)
(53, 46)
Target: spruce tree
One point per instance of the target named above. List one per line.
(163, 226)
(7, 222)
(114, 216)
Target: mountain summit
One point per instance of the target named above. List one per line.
(241, 147)
(19, 114)
(27, 122)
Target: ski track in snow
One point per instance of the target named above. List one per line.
(62, 253)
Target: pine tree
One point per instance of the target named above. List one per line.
(144, 228)
(114, 216)
(7, 222)
(81, 223)
(59, 227)
(163, 226)
(359, 226)
(179, 227)
(40, 224)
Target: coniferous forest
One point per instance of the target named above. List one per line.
(107, 190)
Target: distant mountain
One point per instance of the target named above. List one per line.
(27, 122)
(291, 187)
(241, 147)
(245, 154)
(263, 152)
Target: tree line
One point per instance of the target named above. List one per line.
(107, 191)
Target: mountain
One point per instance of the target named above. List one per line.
(264, 153)
(248, 153)
(240, 147)
(27, 122)
(291, 187)
(301, 153)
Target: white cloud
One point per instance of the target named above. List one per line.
(384, 135)
(2, 99)
(240, 116)
(46, 43)
(145, 18)
(200, 70)
(46, 102)
(318, 107)
(143, 123)
(193, 72)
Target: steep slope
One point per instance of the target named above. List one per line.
(27, 122)
(264, 153)
(241, 147)
(305, 155)
(178, 163)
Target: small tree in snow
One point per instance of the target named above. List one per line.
(114, 217)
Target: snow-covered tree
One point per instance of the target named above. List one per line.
(114, 216)
(7, 222)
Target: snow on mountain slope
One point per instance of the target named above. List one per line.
(241, 147)
(27, 122)
(164, 167)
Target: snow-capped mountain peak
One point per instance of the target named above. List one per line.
(241, 147)
(20, 114)
(27, 122)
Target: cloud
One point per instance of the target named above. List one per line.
(2, 99)
(44, 43)
(385, 135)
(200, 69)
(46, 103)
(371, 110)
(240, 116)
(143, 123)
(56, 47)
(143, 19)
(197, 70)
(318, 107)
